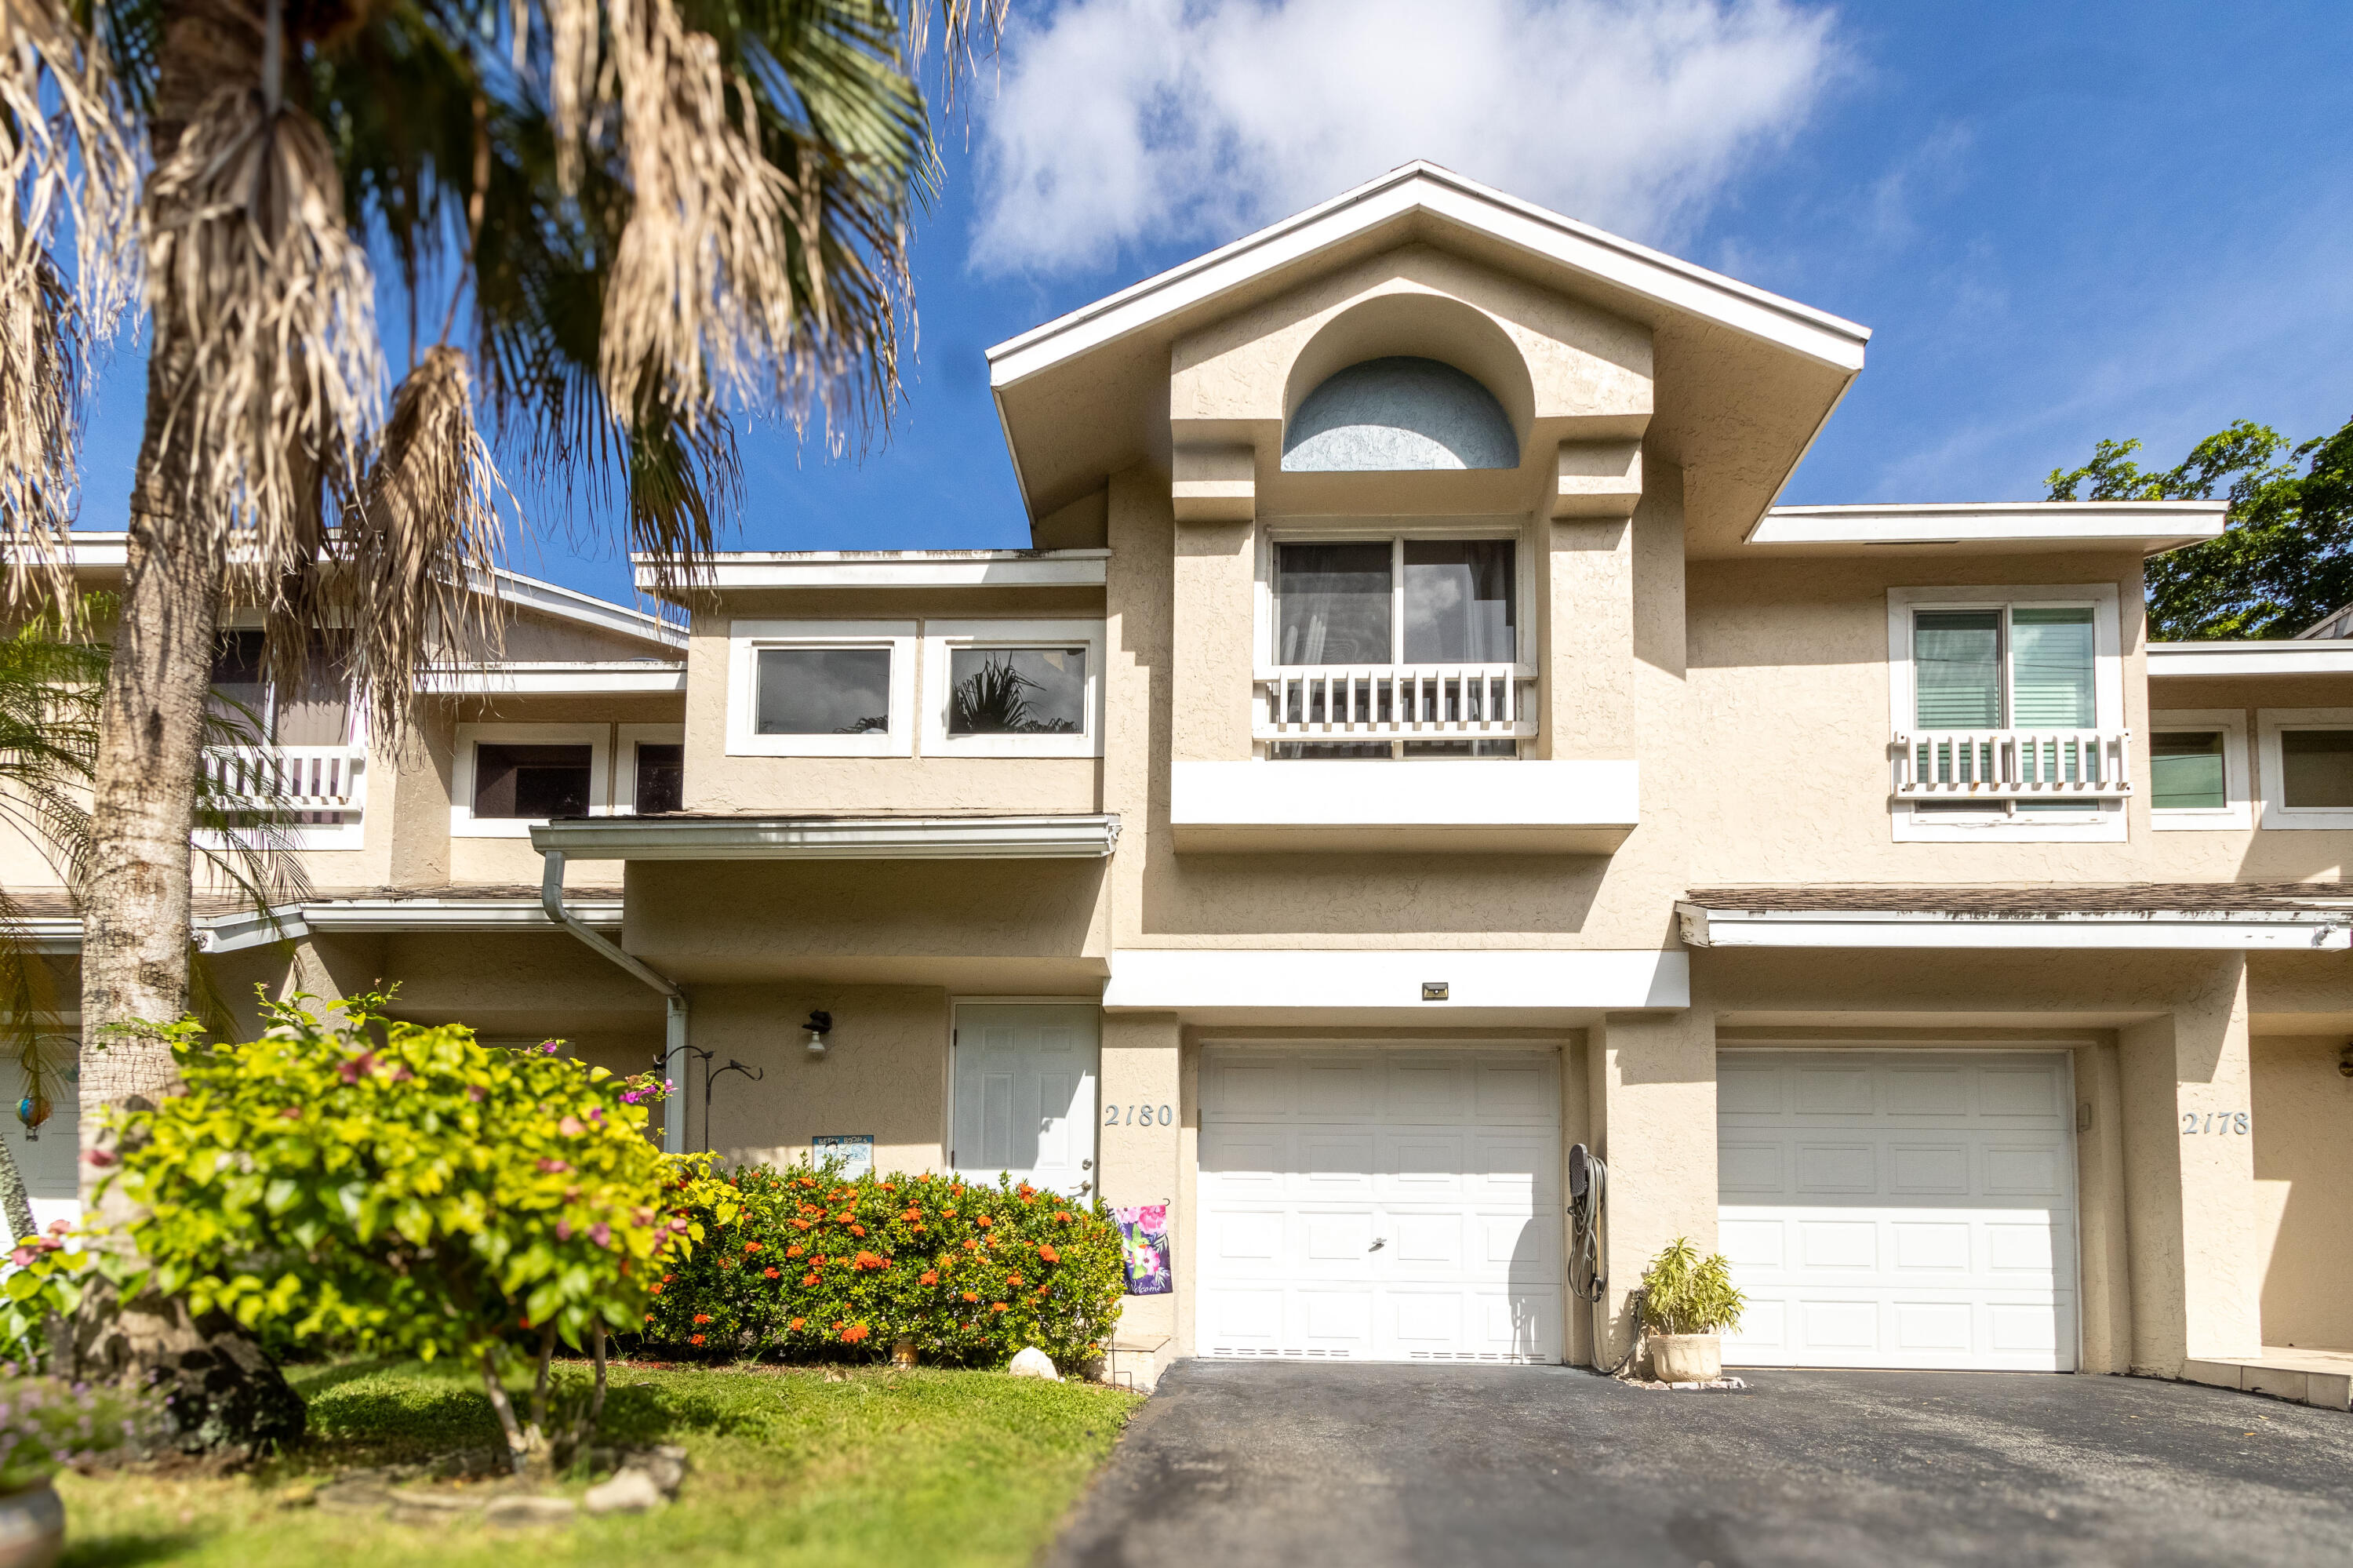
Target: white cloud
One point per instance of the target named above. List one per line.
(1133, 121)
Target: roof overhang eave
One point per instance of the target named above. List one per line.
(1089, 837)
(2301, 930)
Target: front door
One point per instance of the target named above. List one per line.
(1024, 1094)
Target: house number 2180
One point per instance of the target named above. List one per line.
(1139, 1116)
(2216, 1122)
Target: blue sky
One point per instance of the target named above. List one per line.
(2062, 221)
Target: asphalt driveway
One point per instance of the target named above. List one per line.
(1236, 1465)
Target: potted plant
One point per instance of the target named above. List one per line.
(1687, 1302)
(46, 1423)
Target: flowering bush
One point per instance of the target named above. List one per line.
(46, 1423)
(810, 1264)
(400, 1189)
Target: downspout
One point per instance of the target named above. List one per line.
(674, 1048)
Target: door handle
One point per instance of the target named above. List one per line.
(1086, 1186)
(1378, 1243)
(1086, 1164)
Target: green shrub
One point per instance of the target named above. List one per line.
(1685, 1294)
(812, 1265)
(46, 1423)
(398, 1190)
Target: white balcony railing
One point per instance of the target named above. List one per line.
(320, 784)
(1395, 702)
(2001, 763)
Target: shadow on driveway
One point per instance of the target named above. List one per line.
(1236, 1465)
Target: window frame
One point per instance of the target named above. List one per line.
(627, 740)
(943, 638)
(746, 639)
(464, 824)
(1323, 531)
(2237, 811)
(2106, 822)
(2276, 813)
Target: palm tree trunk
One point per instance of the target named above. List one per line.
(136, 916)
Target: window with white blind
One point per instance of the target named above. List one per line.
(2007, 705)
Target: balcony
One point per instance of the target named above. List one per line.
(320, 790)
(2013, 764)
(1324, 702)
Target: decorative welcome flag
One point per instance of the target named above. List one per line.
(1143, 1248)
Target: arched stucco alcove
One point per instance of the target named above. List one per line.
(1404, 381)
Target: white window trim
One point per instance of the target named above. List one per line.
(2106, 824)
(2237, 811)
(1331, 531)
(943, 638)
(625, 759)
(464, 824)
(2276, 813)
(746, 638)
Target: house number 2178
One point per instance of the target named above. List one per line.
(2216, 1122)
(1139, 1116)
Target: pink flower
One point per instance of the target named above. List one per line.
(548, 1047)
(571, 1127)
(351, 1070)
(552, 1166)
(564, 1230)
(601, 1233)
(101, 1158)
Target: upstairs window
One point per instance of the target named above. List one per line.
(815, 688)
(2197, 769)
(316, 711)
(1012, 688)
(533, 782)
(2022, 667)
(1396, 600)
(660, 778)
(2308, 768)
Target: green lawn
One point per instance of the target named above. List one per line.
(918, 1467)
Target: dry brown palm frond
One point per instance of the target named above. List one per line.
(67, 163)
(404, 572)
(248, 256)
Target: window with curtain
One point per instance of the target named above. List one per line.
(1434, 601)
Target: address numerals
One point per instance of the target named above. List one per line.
(1139, 1114)
(2218, 1123)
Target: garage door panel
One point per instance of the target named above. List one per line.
(1235, 1086)
(1928, 1231)
(1451, 1162)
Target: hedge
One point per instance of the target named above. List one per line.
(815, 1266)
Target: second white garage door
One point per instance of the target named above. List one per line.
(1380, 1205)
(1899, 1209)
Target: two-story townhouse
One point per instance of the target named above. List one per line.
(1417, 745)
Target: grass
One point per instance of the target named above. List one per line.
(918, 1467)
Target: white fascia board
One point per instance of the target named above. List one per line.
(903, 568)
(847, 838)
(1294, 980)
(2237, 930)
(1532, 229)
(1469, 793)
(2303, 656)
(450, 915)
(2148, 525)
(569, 604)
(553, 678)
(110, 547)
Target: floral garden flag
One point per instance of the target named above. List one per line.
(1143, 1248)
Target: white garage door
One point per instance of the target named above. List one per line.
(1380, 1205)
(1899, 1209)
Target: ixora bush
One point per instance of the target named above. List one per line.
(806, 1264)
(1687, 1301)
(402, 1189)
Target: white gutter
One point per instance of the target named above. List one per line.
(553, 678)
(677, 1059)
(2241, 930)
(2302, 656)
(2146, 525)
(842, 838)
(902, 568)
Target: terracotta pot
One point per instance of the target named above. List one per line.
(32, 1527)
(1687, 1358)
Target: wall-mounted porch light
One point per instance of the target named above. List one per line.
(820, 1024)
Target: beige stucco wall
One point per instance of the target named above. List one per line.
(2304, 1189)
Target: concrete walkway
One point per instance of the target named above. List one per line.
(1234, 1464)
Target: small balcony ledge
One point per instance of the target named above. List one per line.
(1373, 806)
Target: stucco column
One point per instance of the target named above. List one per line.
(2189, 1174)
(1588, 640)
(1137, 1161)
(1652, 1104)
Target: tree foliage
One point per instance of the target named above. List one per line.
(2284, 561)
(399, 1189)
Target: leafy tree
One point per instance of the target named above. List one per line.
(633, 222)
(2284, 561)
(404, 1190)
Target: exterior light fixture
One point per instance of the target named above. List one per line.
(2345, 1061)
(820, 1024)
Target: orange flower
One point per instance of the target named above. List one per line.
(970, 1245)
(985, 1222)
(858, 1230)
(667, 1277)
(809, 1278)
(931, 1276)
(701, 1318)
(802, 1225)
(1047, 1255)
(1062, 1215)
(870, 1260)
(654, 1289)
(854, 1333)
(845, 1215)
(795, 1250)
(1012, 1279)
(694, 1339)
(795, 1327)
(751, 1246)
(649, 1317)
(996, 1306)
(972, 1295)
(768, 1273)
